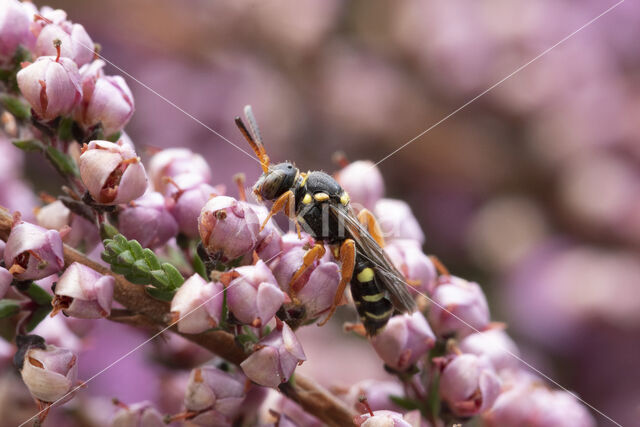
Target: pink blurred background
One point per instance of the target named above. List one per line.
(533, 190)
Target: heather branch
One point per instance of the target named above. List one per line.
(146, 311)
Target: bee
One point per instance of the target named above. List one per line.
(318, 204)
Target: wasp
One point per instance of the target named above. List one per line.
(318, 204)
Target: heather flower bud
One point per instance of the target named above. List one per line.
(49, 373)
(84, 293)
(76, 43)
(254, 296)
(384, 419)
(148, 221)
(176, 161)
(215, 395)
(415, 266)
(197, 305)
(141, 414)
(397, 221)
(14, 28)
(378, 394)
(5, 281)
(188, 197)
(33, 252)
(276, 358)
(363, 181)
(495, 345)
(458, 307)
(404, 340)
(112, 173)
(526, 401)
(56, 216)
(51, 87)
(270, 238)
(228, 229)
(469, 385)
(105, 99)
(315, 289)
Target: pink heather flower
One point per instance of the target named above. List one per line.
(276, 358)
(56, 216)
(315, 289)
(141, 414)
(84, 293)
(229, 229)
(469, 385)
(291, 240)
(56, 331)
(216, 395)
(51, 87)
(385, 418)
(404, 340)
(5, 281)
(105, 99)
(526, 401)
(76, 43)
(458, 307)
(363, 181)
(188, 198)
(270, 238)
(416, 267)
(397, 221)
(176, 161)
(33, 252)
(49, 373)
(197, 305)
(14, 28)
(254, 297)
(112, 172)
(495, 345)
(147, 220)
(377, 393)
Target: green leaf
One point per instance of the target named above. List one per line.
(161, 277)
(62, 162)
(114, 137)
(9, 307)
(38, 295)
(65, 129)
(16, 107)
(37, 316)
(29, 145)
(161, 295)
(142, 267)
(151, 259)
(405, 403)
(107, 231)
(175, 278)
(199, 267)
(433, 397)
(225, 310)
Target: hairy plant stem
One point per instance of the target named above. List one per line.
(147, 312)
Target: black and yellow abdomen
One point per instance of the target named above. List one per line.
(374, 308)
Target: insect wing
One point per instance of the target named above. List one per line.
(390, 278)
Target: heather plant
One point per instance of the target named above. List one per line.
(178, 256)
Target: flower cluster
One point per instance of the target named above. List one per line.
(221, 268)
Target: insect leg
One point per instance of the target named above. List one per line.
(367, 219)
(312, 255)
(287, 203)
(347, 261)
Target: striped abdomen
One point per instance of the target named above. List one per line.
(371, 302)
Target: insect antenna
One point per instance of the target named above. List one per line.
(253, 137)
